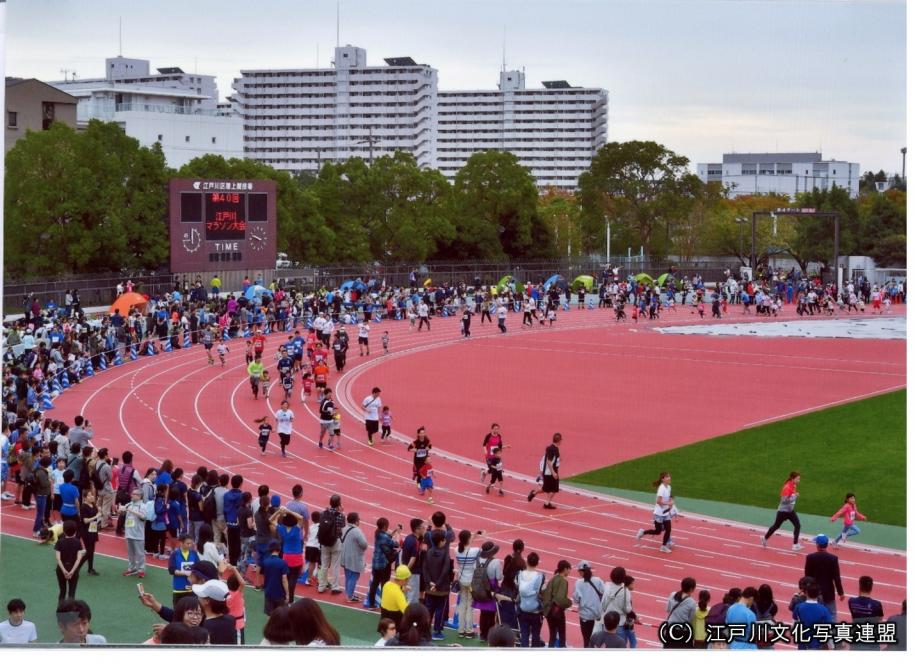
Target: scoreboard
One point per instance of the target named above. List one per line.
(222, 225)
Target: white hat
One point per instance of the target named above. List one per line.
(212, 589)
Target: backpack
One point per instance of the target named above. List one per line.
(480, 588)
(529, 593)
(327, 528)
(209, 506)
(96, 480)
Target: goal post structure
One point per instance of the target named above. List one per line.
(798, 212)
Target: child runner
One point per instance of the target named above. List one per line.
(386, 420)
(664, 512)
(307, 384)
(320, 372)
(492, 456)
(263, 433)
(420, 448)
(265, 383)
(336, 434)
(385, 339)
(208, 344)
(221, 350)
(849, 512)
(287, 382)
(786, 504)
(284, 418)
(425, 480)
(364, 338)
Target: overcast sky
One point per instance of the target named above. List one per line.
(702, 77)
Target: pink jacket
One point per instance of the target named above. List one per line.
(849, 512)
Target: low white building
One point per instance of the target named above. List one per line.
(296, 119)
(175, 109)
(788, 173)
(554, 131)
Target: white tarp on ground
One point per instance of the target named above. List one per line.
(874, 327)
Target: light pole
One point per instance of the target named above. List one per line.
(607, 221)
(903, 151)
(740, 222)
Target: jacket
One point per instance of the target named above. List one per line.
(681, 611)
(437, 569)
(383, 542)
(354, 547)
(824, 567)
(557, 590)
(589, 598)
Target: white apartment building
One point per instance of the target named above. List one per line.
(296, 119)
(554, 131)
(788, 173)
(175, 109)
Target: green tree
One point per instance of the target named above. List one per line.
(883, 223)
(87, 202)
(813, 238)
(495, 210)
(638, 185)
(721, 234)
(561, 215)
(301, 232)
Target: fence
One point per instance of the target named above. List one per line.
(100, 289)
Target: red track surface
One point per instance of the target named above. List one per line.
(614, 395)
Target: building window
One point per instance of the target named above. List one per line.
(160, 138)
(214, 140)
(187, 139)
(12, 119)
(47, 115)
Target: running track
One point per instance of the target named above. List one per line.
(176, 406)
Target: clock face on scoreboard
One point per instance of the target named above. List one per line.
(222, 225)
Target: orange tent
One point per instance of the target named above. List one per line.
(127, 300)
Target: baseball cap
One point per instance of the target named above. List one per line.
(205, 569)
(821, 540)
(212, 589)
(583, 565)
(402, 573)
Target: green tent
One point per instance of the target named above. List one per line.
(585, 280)
(644, 278)
(503, 282)
(663, 278)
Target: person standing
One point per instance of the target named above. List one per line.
(383, 555)
(353, 555)
(363, 337)
(530, 582)
(588, 594)
(740, 613)
(89, 526)
(550, 473)
(664, 512)
(823, 567)
(465, 322)
(501, 314)
(330, 528)
(135, 533)
(423, 311)
(865, 609)
(437, 571)
(69, 554)
(555, 602)
(786, 506)
(284, 417)
(411, 557)
(681, 609)
(492, 579)
(371, 405)
(106, 491)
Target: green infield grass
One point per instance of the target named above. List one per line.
(857, 447)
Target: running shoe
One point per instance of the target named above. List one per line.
(665, 549)
(141, 575)
(488, 487)
(531, 495)
(6, 495)
(130, 572)
(764, 541)
(639, 534)
(92, 572)
(430, 500)
(321, 446)
(844, 538)
(438, 636)
(482, 474)
(796, 547)
(549, 506)
(501, 492)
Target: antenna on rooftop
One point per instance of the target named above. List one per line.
(120, 38)
(317, 56)
(338, 23)
(503, 48)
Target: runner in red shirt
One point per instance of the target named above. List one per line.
(259, 341)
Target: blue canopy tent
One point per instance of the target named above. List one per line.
(347, 285)
(254, 292)
(552, 280)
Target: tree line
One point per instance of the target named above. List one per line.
(96, 201)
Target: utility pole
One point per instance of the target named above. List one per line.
(370, 141)
(607, 221)
(903, 151)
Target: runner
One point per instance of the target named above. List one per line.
(208, 344)
(501, 314)
(265, 384)
(222, 350)
(385, 340)
(259, 341)
(386, 420)
(364, 338)
(420, 448)
(424, 474)
(492, 456)
(849, 512)
(288, 383)
(423, 310)
(284, 364)
(370, 406)
(320, 372)
(549, 469)
(284, 418)
(255, 372)
(465, 322)
(664, 512)
(307, 383)
(263, 433)
(298, 352)
(326, 411)
(786, 512)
